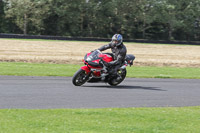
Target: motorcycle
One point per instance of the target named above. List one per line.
(95, 69)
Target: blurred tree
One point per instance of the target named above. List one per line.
(25, 12)
(189, 18)
(126, 12)
(64, 17)
(134, 19)
(145, 16)
(103, 18)
(2, 14)
(178, 17)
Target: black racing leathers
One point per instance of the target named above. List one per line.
(119, 54)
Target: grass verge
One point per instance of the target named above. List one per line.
(118, 120)
(32, 69)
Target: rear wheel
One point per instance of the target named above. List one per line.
(79, 78)
(122, 74)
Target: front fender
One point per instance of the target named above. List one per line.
(86, 69)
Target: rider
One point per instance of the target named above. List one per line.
(119, 53)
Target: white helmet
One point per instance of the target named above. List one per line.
(117, 39)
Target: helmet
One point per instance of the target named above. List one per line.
(117, 39)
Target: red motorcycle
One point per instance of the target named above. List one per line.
(95, 70)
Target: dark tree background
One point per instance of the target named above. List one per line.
(134, 19)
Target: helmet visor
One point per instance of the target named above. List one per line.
(115, 41)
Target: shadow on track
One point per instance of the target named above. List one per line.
(127, 87)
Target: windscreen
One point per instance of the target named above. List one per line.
(94, 55)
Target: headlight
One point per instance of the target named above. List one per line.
(89, 59)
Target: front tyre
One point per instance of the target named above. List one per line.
(79, 78)
(122, 74)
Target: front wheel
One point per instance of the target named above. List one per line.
(79, 78)
(122, 74)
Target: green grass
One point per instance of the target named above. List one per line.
(164, 72)
(117, 120)
(32, 69)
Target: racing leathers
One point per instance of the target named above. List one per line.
(119, 54)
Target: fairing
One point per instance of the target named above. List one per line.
(94, 57)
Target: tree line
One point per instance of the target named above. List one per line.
(134, 19)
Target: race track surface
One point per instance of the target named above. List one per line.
(59, 92)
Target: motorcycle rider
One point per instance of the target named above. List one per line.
(118, 52)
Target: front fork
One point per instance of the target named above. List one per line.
(87, 70)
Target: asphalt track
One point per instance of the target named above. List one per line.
(59, 92)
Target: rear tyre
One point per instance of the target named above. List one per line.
(114, 82)
(79, 78)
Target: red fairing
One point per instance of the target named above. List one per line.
(88, 54)
(106, 57)
(86, 69)
(96, 61)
